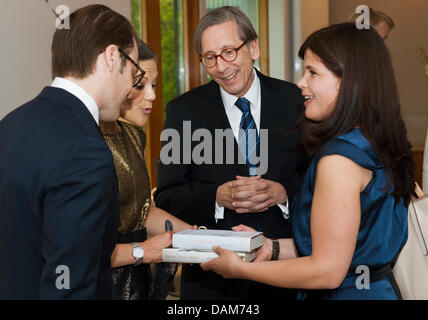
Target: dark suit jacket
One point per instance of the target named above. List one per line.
(59, 202)
(189, 190)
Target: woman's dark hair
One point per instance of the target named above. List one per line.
(368, 98)
(145, 52)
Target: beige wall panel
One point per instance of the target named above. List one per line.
(26, 29)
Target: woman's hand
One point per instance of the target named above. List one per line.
(228, 264)
(154, 245)
(264, 253)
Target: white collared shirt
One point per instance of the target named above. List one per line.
(81, 94)
(234, 115)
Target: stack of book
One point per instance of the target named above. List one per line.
(195, 246)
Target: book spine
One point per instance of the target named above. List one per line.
(187, 256)
(258, 242)
(192, 256)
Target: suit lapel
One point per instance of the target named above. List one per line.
(269, 113)
(213, 108)
(271, 116)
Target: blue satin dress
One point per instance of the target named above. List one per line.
(383, 227)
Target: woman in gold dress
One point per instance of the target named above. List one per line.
(138, 215)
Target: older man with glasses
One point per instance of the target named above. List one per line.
(221, 194)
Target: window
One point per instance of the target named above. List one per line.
(171, 15)
(136, 16)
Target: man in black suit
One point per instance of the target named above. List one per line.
(58, 187)
(219, 193)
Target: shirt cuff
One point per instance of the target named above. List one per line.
(219, 212)
(285, 211)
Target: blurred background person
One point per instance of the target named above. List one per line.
(138, 215)
(382, 23)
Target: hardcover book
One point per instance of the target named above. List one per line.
(197, 256)
(203, 239)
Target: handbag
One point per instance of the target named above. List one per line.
(411, 267)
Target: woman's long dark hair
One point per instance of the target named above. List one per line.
(368, 98)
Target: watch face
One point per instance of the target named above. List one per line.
(138, 252)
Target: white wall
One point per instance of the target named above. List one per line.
(290, 22)
(277, 39)
(26, 29)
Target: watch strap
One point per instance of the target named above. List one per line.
(275, 249)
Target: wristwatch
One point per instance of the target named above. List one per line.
(137, 253)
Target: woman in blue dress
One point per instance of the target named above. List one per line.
(350, 218)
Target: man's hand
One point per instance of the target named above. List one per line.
(241, 192)
(224, 195)
(250, 194)
(254, 194)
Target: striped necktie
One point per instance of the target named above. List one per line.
(248, 138)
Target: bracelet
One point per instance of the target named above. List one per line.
(275, 249)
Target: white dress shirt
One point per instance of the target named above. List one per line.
(234, 115)
(81, 94)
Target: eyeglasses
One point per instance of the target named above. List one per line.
(140, 72)
(228, 55)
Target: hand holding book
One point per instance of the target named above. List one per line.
(228, 264)
(264, 253)
(195, 246)
(154, 245)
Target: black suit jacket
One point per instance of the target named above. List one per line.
(189, 190)
(59, 206)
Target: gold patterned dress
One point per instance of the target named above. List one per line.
(127, 143)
